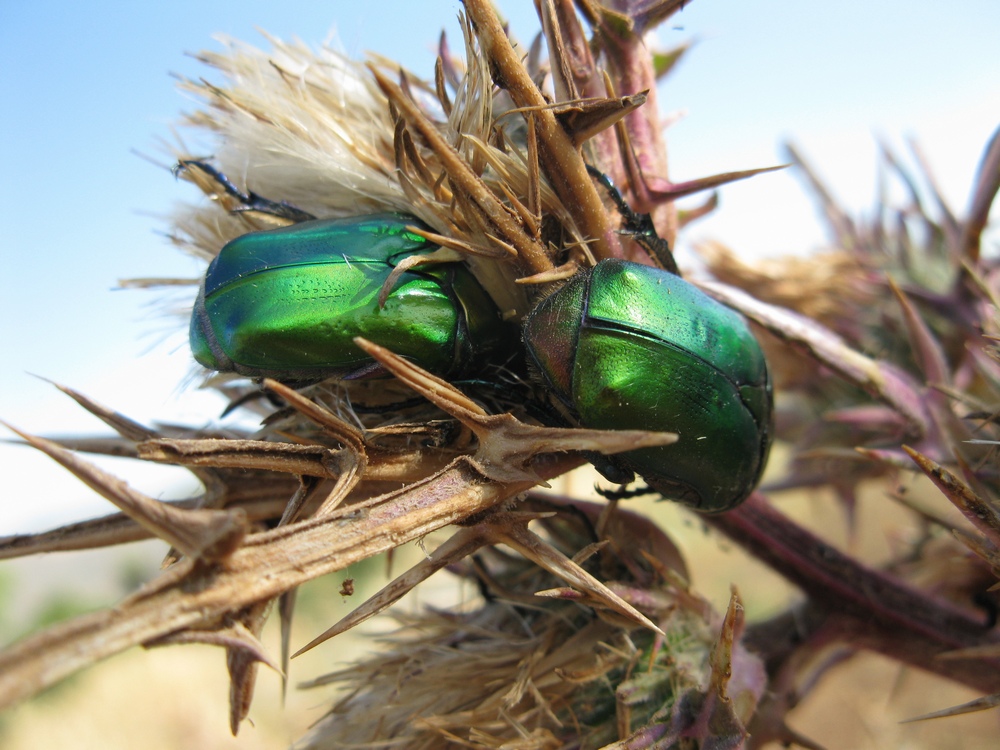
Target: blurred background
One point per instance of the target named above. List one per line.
(89, 91)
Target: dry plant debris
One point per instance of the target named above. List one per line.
(883, 351)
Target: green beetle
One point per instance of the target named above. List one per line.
(626, 346)
(287, 303)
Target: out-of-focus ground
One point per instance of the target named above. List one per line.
(176, 697)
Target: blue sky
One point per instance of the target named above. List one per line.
(86, 85)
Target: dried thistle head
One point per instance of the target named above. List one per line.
(587, 631)
(519, 670)
(496, 167)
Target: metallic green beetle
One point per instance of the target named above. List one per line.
(286, 303)
(626, 346)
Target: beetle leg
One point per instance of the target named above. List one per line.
(365, 371)
(638, 226)
(250, 200)
(249, 397)
(610, 469)
(624, 494)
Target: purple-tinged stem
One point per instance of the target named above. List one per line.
(872, 609)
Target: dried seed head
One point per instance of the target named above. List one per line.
(543, 672)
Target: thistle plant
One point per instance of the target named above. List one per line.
(588, 634)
